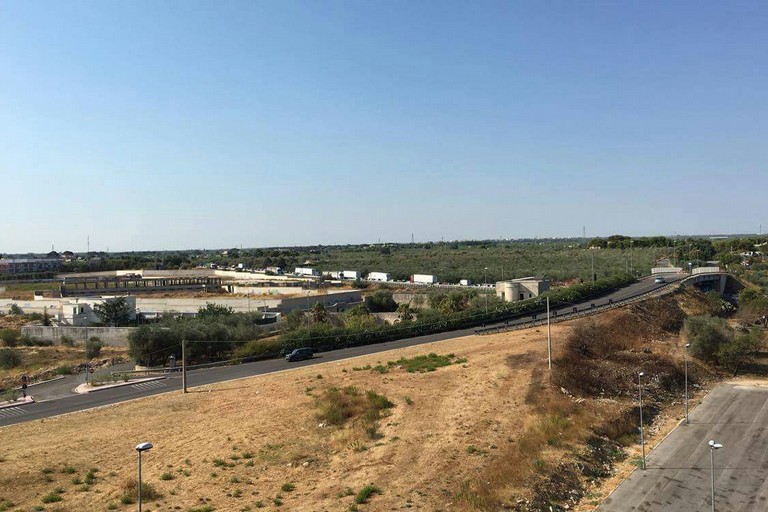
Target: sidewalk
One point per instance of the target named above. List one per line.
(87, 388)
(17, 403)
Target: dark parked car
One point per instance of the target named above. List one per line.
(299, 354)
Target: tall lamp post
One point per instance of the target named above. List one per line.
(685, 361)
(549, 338)
(640, 396)
(485, 285)
(712, 447)
(143, 447)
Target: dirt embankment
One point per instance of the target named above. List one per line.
(495, 429)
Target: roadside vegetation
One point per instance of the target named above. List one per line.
(217, 333)
(480, 423)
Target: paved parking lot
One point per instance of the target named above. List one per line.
(677, 477)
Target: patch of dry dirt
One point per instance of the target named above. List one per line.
(266, 428)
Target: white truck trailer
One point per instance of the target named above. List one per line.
(306, 271)
(423, 279)
(379, 276)
(351, 274)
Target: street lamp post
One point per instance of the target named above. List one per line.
(549, 338)
(712, 447)
(685, 361)
(143, 447)
(485, 285)
(640, 396)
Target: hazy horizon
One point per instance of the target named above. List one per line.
(165, 126)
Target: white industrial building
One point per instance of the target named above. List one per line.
(521, 289)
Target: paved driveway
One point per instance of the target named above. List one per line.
(677, 478)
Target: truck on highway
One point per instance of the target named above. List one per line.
(379, 276)
(351, 274)
(423, 279)
(306, 271)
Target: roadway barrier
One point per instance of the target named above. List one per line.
(705, 270)
(586, 311)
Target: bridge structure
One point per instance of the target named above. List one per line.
(703, 277)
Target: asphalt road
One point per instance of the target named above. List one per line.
(678, 476)
(58, 398)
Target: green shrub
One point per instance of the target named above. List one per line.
(365, 493)
(131, 491)
(67, 341)
(287, 487)
(51, 497)
(9, 358)
(93, 348)
(706, 335)
(9, 337)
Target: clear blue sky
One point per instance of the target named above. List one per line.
(190, 124)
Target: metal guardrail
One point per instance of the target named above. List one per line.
(664, 290)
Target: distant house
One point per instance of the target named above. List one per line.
(521, 289)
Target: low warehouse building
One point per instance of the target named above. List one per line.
(521, 289)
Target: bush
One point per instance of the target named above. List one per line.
(9, 358)
(365, 493)
(9, 337)
(51, 497)
(382, 302)
(131, 491)
(67, 341)
(93, 348)
(15, 310)
(740, 351)
(10, 395)
(707, 335)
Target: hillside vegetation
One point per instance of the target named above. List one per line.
(476, 423)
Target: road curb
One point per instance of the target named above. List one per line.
(17, 403)
(47, 381)
(85, 388)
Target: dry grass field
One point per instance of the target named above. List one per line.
(468, 435)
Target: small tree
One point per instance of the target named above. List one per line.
(706, 335)
(319, 313)
(404, 313)
(15, 310)
(9, 337)
(9, 358)
(46, 318)
(93, 347)
(212, 310)
(113, 312)
(151, 345)
(740, 351)
(382, 302)
(295, 318)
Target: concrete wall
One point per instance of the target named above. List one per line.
(408, 298)
(112, 336)
(389, 318)
(32, 306)
(336, 301)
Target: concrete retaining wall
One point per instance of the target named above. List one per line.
(112, 336)
(408, 298)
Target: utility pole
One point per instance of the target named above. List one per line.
(592, 252)
(184, 365)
